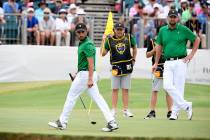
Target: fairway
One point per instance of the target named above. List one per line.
(27, 108)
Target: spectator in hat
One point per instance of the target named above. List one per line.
(47, 28)
(158, 9)
(39, 13)
(32, 27)
(184, 6)
(167, 7)
(184, 11)
(80, 18)
(72, 12)
(149, 7)
(62, 28)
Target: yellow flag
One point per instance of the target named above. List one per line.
(109, 25)
(108, 30)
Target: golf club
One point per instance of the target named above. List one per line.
(91, 121)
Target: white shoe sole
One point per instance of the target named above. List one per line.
(54, 125)
(128, 116)
(147, 118)
(191, 114)
(109, 130)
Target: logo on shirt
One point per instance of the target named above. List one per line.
(120, 47)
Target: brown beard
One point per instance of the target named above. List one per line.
(172, 25)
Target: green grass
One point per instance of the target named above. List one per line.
(27, 108)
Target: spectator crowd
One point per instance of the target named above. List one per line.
(52, 22)
(195, 14)
(49, 22)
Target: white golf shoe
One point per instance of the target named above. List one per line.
(57, 124)
(174, 116)
(127, 113)
(112, 125)
(189, 111)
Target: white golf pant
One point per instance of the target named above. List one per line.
(78, 86)
(174, 83)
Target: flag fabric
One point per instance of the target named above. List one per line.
(108, 30)
(109, 25)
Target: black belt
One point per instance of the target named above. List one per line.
(83, 70)
(175, 58)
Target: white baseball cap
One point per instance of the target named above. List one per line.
(182, 1)
(156, 5)
(30, 10)
(62, 11)
(80, 11)
(72, 6)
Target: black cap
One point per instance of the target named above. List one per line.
(172, 12)
(119, 25)
(81, 27)
(136, 1)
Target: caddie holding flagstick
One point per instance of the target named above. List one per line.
(122, 60)
(86, 79)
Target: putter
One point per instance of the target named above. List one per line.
(83, 104)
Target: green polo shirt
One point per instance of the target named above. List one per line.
(174, 40)
(86, 50)
(132, 40)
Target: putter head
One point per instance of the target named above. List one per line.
(93, 123)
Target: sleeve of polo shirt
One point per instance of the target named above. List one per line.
(133, 41)
(89, 50)
(159, 40)
(106, 44)
(189, 34)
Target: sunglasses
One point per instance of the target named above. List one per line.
(80, 32)
(46, 13)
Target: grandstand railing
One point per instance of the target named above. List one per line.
(14, 30)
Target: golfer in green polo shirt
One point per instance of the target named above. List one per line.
(172, 40)
(86, 79)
